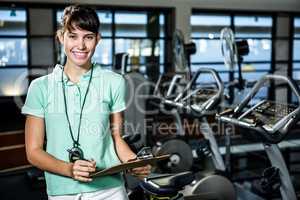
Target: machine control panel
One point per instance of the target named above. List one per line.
(271, 120)
(202, 95)
(268, 114)
(199, 98)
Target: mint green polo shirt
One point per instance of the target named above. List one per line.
(106, 95)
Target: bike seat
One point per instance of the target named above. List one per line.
(166, 184)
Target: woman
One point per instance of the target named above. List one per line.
(77, 109)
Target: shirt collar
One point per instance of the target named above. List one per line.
(57, 71)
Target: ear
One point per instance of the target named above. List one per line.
(98, 38)
(60, 36)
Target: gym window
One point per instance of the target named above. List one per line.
(256, 29)
(296, 53)
(13, 52)
(206, 30)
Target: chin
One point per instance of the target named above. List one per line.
(80, 62)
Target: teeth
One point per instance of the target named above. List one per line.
(80, 54)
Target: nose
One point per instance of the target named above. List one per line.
(81, 44)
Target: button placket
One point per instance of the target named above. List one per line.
(77, 98)
(76, 107)
(70, 104)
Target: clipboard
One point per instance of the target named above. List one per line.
(128, 165)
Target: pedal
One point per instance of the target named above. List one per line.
(204, 149)
(269, 184)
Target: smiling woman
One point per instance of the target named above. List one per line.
(64, 105)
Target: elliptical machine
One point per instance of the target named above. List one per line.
(268, 121)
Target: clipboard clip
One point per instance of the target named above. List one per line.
(144, 153)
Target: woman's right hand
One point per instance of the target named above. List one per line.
(81, 170)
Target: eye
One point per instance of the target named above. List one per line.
(90, 37)
(72, 36)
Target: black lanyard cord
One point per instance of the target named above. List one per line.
(75, 142)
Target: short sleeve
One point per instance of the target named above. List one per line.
(118, 97)
(34, 104)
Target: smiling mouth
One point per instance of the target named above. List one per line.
(80, 55)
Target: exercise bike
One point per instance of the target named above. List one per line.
(200, 101)
(269, 122)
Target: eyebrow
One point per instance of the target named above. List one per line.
(88, 34)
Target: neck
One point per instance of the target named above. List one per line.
(74, 72)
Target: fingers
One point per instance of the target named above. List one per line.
(141, 172)
(81, 176)
(87, 163)
(81, 170)
(82, 179)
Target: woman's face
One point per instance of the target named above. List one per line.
(79, 46)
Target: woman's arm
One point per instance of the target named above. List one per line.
(123, 151)
(37, 156)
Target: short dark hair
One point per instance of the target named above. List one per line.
(80, 16)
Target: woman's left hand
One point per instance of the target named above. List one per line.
(141, 172)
